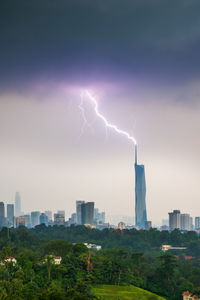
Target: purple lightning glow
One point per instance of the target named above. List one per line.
(99, 115)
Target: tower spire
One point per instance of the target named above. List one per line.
(135, 154)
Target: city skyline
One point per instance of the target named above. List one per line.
(145, 76)
(87, 211)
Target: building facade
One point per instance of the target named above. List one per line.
(35, 218)
(2, 214)
(148, 225)
(197, 222)
(20, 221)
(10, 214)
(44, 219)
(48, 213)
(174, 220)
(140, 194)
(17, 204)
(185, 222)
(78, 211)
(87, 213)
(59, 219)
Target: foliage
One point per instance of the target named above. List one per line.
(123, 292)
(128, 260)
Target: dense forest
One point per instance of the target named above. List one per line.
(28, 267)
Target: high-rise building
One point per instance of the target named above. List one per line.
(48, 213)
(148, 225)
(61, 212)
(2, 214)
(191, 223)
(20, 221)
(17, 204)
(96, 213)
(74, 218)
(44, 219)
(78, 211)
(87, 213)
(140, 194)
(197, 222)
(175, 220)
(35, 218)
(59, 219)
(10, 214)
(185, 222)
(28, 217)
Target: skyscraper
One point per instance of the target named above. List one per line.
(48, 213)
(44, 219)
(140, 194)
(175, 220)
(20, 221)
(78, 211)
(185, 222)
(35, 218)
(17, 204)
(197, 222)
(2, 214)
(59, 219)
(10, 213)
(87, 213)
(61, 212)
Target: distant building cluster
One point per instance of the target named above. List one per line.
(86, 214)
(182, 221)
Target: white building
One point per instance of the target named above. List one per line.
(185, 222)
(175, 220)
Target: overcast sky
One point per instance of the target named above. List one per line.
(140, 59)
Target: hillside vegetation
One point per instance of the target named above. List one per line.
(113, 292)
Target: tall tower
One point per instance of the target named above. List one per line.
(87, 213)
(78, 211)
(140, 194)
(17, 204)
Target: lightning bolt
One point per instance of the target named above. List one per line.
(105, 121)
(85, 121)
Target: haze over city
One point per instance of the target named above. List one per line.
(144, 73)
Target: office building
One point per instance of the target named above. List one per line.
(102, 217)
(48, 213)
(96, 213)
(59, 219)
(197, 222)
(148, 225)
(20, 221)
(35, 218)
(87, 213)
(10, 214)
(73, 218)
(191, 223)
(28, 217)
(17, 204)
(44, 219)
(2, 214)
(175, 220)
(61, 212)
(185, 222)
(140, 194)
(78, 211)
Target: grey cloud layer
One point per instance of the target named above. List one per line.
(85, 39)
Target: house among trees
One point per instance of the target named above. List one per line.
(189, 296)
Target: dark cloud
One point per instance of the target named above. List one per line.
(86, 39)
